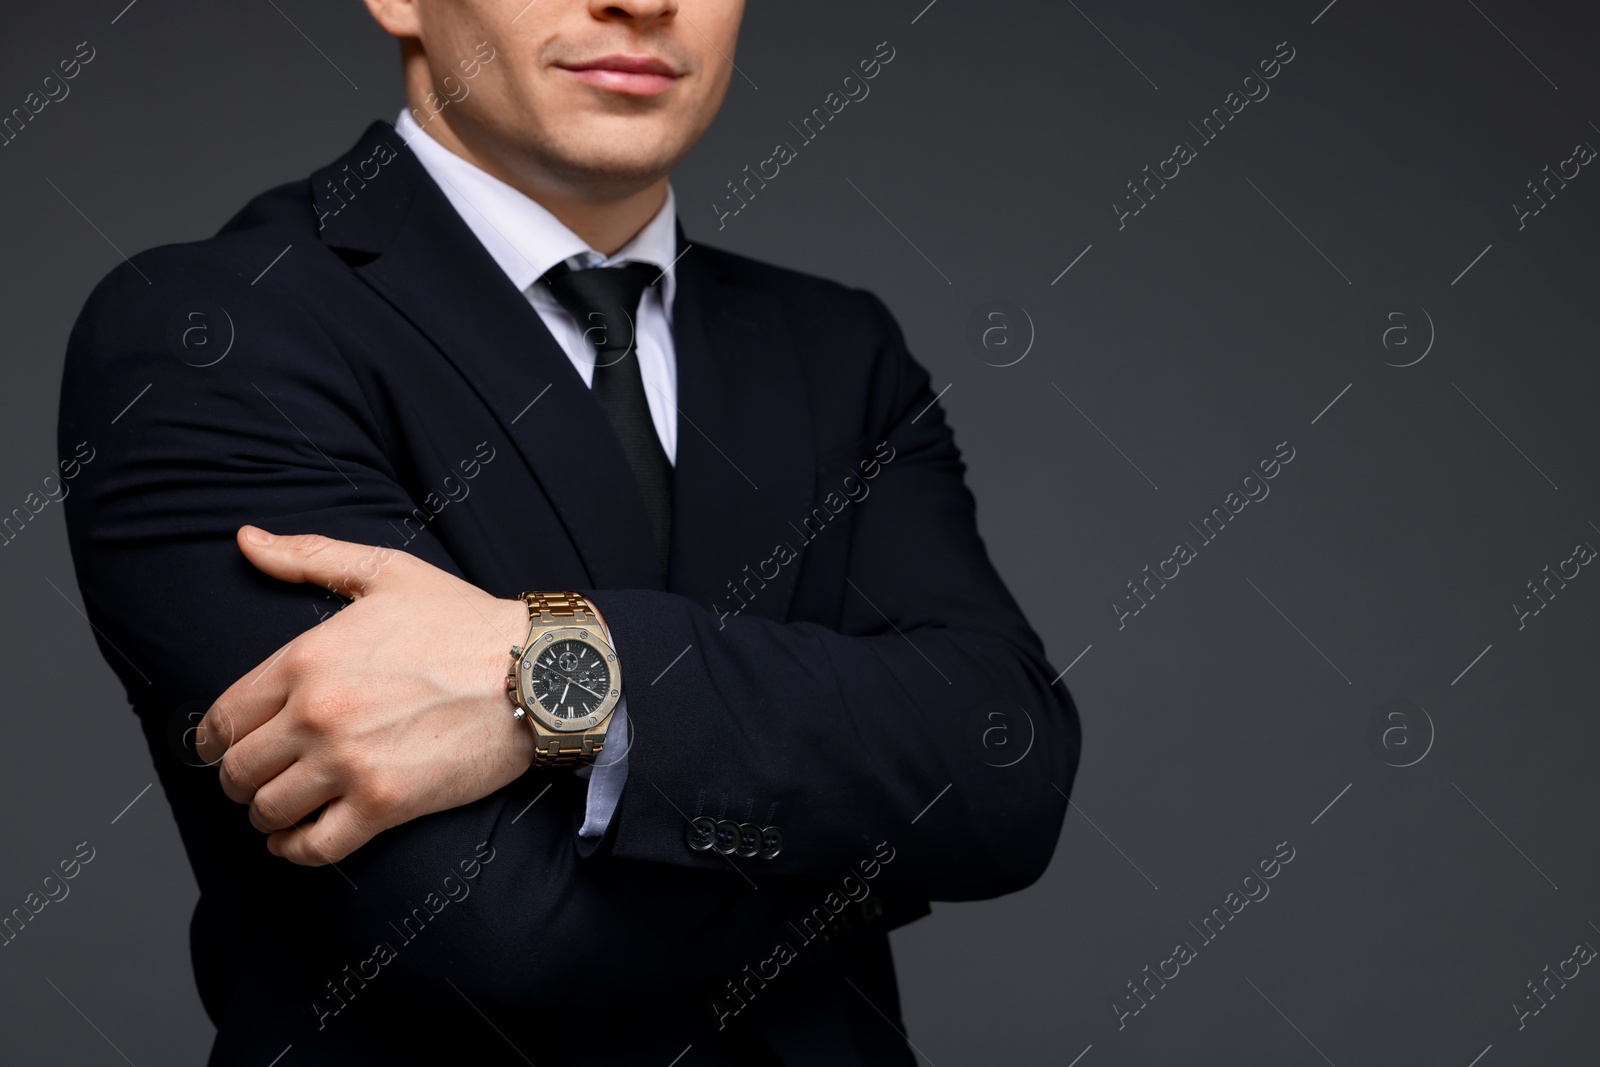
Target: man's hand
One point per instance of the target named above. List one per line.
(394, 707)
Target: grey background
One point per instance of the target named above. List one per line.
(1229, 714)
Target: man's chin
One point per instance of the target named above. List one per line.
(613, 174)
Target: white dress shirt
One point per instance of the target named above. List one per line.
(526, 240)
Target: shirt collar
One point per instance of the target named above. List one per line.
(522, 236)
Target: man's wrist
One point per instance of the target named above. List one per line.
(512, 618)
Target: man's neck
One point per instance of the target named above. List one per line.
(605, 225)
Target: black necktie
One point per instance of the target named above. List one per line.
(605, 301)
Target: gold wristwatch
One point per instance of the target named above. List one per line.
(565, 679)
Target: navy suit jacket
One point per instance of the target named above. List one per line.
(832, 654)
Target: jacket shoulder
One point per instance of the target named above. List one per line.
(278, 221)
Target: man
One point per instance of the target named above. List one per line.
(746, 719)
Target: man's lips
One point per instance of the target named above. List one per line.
(636, 75)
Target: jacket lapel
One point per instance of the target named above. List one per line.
(429, 265)
(743, 474)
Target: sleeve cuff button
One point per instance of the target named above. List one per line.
(702, 834)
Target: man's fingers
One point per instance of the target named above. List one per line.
(289, 797)
(213, 736)
(338, 831)
(345, 567)
(252, 762)
(245, 705)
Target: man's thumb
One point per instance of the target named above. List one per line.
(345, 567)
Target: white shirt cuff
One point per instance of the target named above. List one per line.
(607, 775)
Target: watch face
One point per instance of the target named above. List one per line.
(570, 679)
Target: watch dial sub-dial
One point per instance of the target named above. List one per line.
(570, 679)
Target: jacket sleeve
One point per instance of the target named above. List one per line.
(927, 719)
(279, 434)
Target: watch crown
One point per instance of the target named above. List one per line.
(516, 650)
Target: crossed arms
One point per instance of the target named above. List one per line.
(391, 711)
